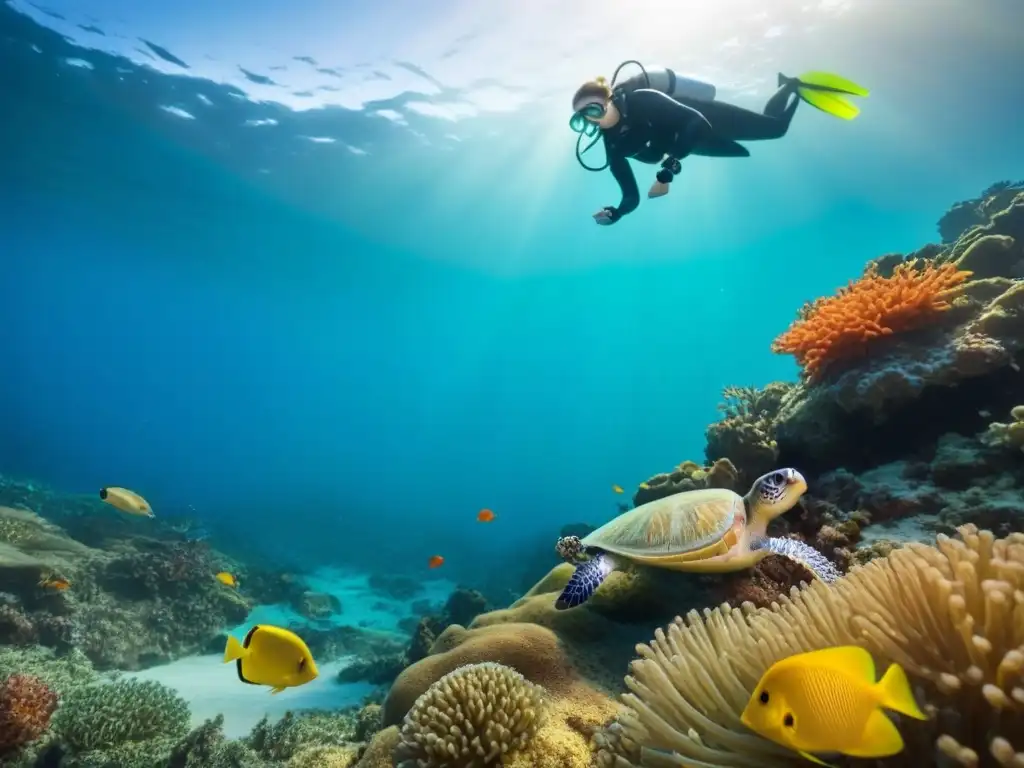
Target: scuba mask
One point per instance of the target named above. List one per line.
(589, 129)
(579, 122)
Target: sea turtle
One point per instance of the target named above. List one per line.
(712, 530)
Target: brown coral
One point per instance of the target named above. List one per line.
(689, 476)
(842, 326)
(950, 614)
(746, 432)
(26, 706)
(572, 676)
(472, 716)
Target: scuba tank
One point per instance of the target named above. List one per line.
(668, 82)
(656, 78)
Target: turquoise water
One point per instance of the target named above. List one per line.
(336, 325)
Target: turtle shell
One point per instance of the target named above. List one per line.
(684, 527)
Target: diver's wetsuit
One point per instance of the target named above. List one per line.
(654, 125)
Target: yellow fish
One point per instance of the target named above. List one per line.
(271, 656)
(828, 701)
(126, 501)
(616, 489)
(226, 579)
(645, 486)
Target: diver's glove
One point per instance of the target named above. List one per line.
(607, 215)
(669, 168)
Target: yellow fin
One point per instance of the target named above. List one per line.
(277, 690)
(834, 83)
(880, 738)
(831, 103)
(234, 650)
(894, 693)
(848, 659)
(813, 759)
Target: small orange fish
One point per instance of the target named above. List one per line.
(435, 562)
(49, 582)
(617, 489)
(485, 516)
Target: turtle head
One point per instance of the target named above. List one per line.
(771, 495)
(570, 549)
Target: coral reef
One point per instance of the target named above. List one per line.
(571, 666)
(957, 481)
(319, 606)
(294, 733)
(689, 476)
(908, 423)
(943, 612)
(383, 664)
(844, 327)
(154, 602)
(1010, 434)
(968, 214)
(106, 716)
(746, 433)
(472, 715)
(26, 706)
(141, 601)
(880, 406)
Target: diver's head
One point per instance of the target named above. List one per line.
(592, 108)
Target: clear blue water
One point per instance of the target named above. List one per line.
(337, 314)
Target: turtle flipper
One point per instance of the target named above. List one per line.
(798, 552)
(584, 582)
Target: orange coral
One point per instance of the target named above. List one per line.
(840, 327)
(26, 705)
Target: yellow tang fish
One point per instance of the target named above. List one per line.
(617, 489)
(126, 501)
(271, 656)
(828, 701)
(226, 579)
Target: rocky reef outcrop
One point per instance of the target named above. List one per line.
(977, 212)
(900, 391)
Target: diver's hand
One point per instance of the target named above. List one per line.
(606, 216)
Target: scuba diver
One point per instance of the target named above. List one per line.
(658, 116)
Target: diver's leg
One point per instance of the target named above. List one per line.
(649, 156)
(738, 124)
(783, 103)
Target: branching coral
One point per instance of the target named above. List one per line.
(294, 732)
(61, 673)
(950, 614)
(26, 706)
(473, 716)
(106, 716)
(842, 326)
(746, 432)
